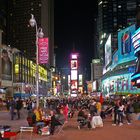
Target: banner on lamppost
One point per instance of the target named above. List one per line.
(43, 50)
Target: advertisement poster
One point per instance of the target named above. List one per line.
(74, 64)
(6, 63)
(74, 85)
(125, 48)
(74, 75)
(126, 42)
(43, 50)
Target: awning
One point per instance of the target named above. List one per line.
(22, 95)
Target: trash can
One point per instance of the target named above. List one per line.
(4, 128)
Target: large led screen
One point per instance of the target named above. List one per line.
(94, 86)
(74, 85)
(136, 40)
(115, 60)
(74, 75)
(80, 80)
(125, 49)
(74, 64)
(74, 56)
(136, 46)
(108, 53)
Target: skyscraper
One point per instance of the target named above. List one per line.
(113, 16)
(3, 15)
(21, 35)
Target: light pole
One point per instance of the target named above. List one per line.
(39, 34)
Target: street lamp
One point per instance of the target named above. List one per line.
(39, 34)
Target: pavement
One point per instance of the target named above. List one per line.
(71, 132)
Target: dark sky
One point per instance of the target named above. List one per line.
(74, 28)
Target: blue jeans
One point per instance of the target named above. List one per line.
(120, 117)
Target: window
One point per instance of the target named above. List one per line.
(131, 6)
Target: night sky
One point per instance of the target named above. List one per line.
(74, 30)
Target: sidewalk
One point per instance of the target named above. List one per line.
(108, 132)
(14, 124)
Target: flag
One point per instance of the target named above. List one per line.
(101, 98)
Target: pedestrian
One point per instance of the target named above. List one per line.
(93, 108)
(99, 108)
(120, 114)
(18, 107)
(54, 122)
(65, 111)
(12, 105)
(24, 104)
(115, 113)
(8, 104)
(129, 110)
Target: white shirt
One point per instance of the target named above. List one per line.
(121, 108)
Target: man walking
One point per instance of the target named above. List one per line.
(18, 107)
(12, 105)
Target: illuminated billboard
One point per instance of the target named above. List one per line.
(119, 83)
(74, 85)
(136, 41)
(89, 86)
(74, 75)
(136, 45)
(74, 64)
(115, 60)
(74, 56)
(6, 63)
(80, 80)
(94, 86)
(108, 53)
(125, 48)
(26, 69)
(126, 42)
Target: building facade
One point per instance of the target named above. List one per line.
(118, 75)
(21, 35)
(96, 69)
(114, 16)
(3, 21)
(16, 34)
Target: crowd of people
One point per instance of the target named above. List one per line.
(38, 117)
(56, 112)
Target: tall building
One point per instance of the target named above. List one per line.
(3, 21)
(96, 42)
(21, 35)
(113, 16)
(96, 69)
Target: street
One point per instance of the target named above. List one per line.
(108, 132)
